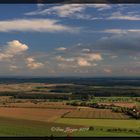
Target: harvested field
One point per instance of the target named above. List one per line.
(49, 105)
(95, 114)
(121, 104)
(47, 115)
(18, 87)
(4, 98)
(28, 87)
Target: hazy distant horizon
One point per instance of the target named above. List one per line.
(75, 77)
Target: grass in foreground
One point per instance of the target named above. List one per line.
(19, 127)
(101, 122)
(102, 127)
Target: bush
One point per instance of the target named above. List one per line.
(91, 128)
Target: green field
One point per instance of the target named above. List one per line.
(102, 125)
(101, 122)
(19, 127)
(98, 133)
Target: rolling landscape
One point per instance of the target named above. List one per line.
(69, 108)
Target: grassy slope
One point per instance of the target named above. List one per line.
(101, 122)
(98, 133)
(18, 127)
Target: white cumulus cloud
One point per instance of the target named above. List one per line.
(33, 64)
(94, 57)
(83, 62)
(12, 48)
(15, 47)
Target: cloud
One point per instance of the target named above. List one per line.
(79, 56)
(83, 62)
(75, 56)
(5, 56)
(12, 48)
(119, 44)
(101, 7)
(87, 59)
(35, 25)
(13, 67)
(32, 64)
(12, 56)
(60, 58)
(61, 10)
(120, 31)
(129, 16)
(93, 56)
(70, 10)
(108, 55)
(78, 11)
(66, 10)
(85, 50)
(120, 16)
(113, 56)
(107, 70)
(15, 47)
(61, 49)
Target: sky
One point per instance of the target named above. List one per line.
(70, 40)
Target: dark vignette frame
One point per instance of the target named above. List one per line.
(69, 2)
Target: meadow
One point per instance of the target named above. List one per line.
(101, 122)
(21, 127)
(104, 127)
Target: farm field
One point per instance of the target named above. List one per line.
(29, 104)
(29, 87)
(19, 87)
(33, 109)
(47, 115)
(39, 121)
(95, 114)
(98, 133)
(121, 104)
(135, 124)
(21, 127)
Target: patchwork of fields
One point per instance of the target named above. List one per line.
(95, 114)
(22, 127)
(40, 121)
(36, 115)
